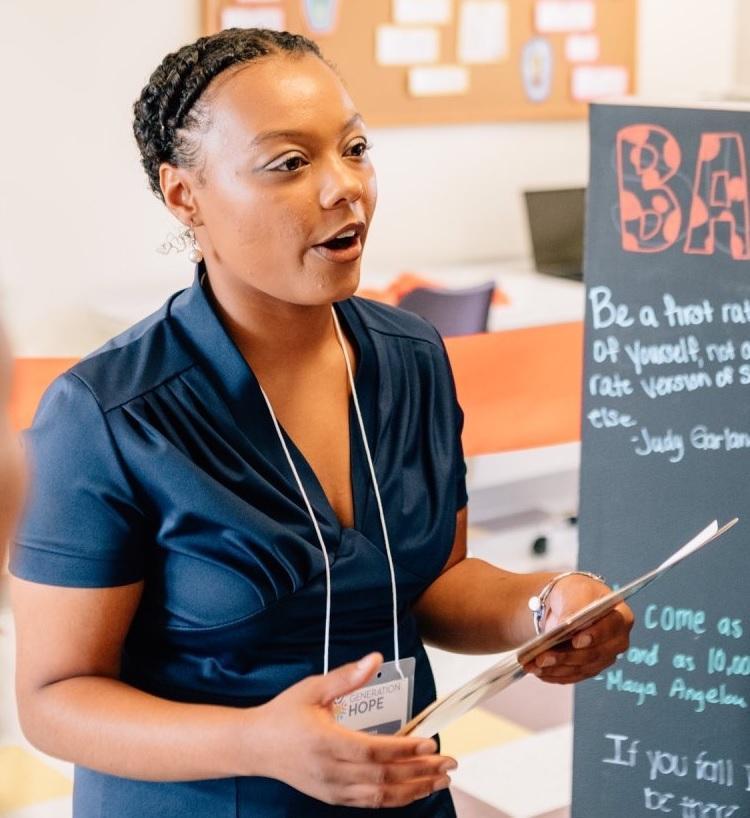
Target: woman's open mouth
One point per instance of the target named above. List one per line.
(344, 247)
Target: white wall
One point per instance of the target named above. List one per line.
(688, 48)
(78, 225)
(743, 50)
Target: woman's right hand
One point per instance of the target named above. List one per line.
(304, 747)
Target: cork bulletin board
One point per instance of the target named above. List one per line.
(419, 62)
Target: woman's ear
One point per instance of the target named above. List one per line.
(177, 187)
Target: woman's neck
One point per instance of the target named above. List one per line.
(268, 331)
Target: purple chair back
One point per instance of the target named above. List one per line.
(452, 311)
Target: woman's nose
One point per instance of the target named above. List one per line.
(342, 184)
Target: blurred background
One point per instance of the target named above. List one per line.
(79, 226)
(79, 229)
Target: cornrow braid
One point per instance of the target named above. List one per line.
(168, 112)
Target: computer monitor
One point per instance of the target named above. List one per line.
(556, 220)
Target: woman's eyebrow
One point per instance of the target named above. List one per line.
(266, 136)
(353, 120)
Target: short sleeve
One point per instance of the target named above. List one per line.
(81, 526)
(462, 497)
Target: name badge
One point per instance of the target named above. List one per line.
(383, 704)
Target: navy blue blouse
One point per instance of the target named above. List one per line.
(156, 459)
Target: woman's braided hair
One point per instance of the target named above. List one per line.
(169, 113)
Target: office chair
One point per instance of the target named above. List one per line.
(452, 311)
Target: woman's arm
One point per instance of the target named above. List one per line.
(73, 706)
(474, 607)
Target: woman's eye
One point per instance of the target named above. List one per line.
(359, 149)
(289, 165)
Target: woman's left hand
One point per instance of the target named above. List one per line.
(591, 649)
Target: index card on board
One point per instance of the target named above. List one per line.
(396, 45)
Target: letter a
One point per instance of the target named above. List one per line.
(650, 215)
(720, 195)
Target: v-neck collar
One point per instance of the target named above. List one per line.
(217, 353)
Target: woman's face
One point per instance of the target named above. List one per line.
(284, 171)
(11, 463)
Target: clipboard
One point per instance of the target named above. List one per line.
(509, 669)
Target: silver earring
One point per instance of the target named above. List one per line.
(196, 254)
(182, 241)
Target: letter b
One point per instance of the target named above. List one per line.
(650, 215)
(656, 801)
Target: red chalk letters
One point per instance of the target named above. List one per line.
(651, 217)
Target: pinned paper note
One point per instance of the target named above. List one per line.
(537, 69)
(483, 31)
(554, 16)
(435, 12)
(322, 15)
(582, 48)
(591, 82)
(395, 45)
(254, 16)
(438, 80)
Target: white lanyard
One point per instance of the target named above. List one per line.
(315, 522)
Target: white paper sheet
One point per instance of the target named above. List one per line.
(254, 16)
(435, 12)
(483, 31)
(406, 46)
(439, 80)
(509, 669)
(554, 16)
(582, 48)
(591, 82)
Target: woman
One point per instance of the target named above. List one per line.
(205, 537)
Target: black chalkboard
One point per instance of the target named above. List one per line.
(666, 449)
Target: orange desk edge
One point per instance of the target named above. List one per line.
(519, 388)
